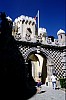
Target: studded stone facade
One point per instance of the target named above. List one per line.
(53, 54)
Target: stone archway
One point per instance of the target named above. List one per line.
(46, 57)
(43, 72)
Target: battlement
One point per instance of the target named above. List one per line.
(42, 31)
(25, 19)
(24, 28)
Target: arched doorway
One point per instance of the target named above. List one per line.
(38, 66)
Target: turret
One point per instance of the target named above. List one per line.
(42, 33)
(61, 37)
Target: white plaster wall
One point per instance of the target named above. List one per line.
(61, 40)
(33, 33)
(24, 26)
(24, 29)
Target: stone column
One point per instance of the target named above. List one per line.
(50, 69)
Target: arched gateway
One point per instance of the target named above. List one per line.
(52, 58)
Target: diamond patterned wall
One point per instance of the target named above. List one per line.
(51, 54)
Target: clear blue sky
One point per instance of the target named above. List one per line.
(52, 12)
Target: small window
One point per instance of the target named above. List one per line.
(61, 36)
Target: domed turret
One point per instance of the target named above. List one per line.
(61, 36)
(60, 32)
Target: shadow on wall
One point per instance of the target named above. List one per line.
(44, 71)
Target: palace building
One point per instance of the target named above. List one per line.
(47, 54)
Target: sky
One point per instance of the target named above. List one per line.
(51, 12)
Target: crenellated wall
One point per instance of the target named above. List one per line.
(25, 27)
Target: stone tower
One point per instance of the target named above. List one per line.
(24, 28)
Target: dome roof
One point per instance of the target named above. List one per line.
(60, 32)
